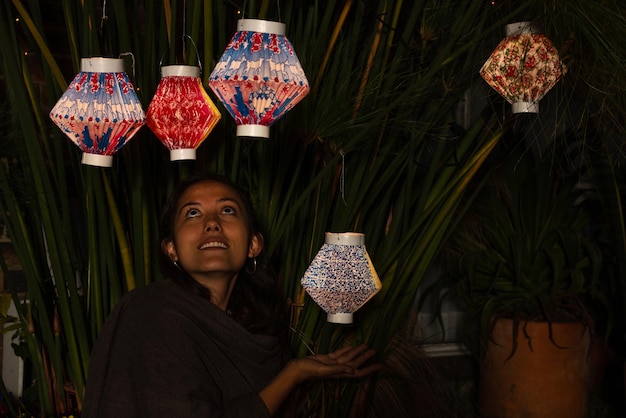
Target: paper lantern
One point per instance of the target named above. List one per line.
(523, 67)
(259, 77)
(181, 114)
(100, 110)
(341, 277)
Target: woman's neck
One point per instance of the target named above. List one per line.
(220, 288)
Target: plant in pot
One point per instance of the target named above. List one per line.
(526, 261)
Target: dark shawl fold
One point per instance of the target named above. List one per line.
(166, 352)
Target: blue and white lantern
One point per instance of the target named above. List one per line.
(341, 277)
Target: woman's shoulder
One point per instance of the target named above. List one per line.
(154, 300)
(157, 293)
(156, 289)
(166, 299)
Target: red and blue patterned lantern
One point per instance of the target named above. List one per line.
(181, 114)
(341, 278)
(259, 77)
(99, 111)
(524, 67)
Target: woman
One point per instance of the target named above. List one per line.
(208, 341)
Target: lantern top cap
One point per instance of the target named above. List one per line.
(519, 28)
(263, 26)
(344, 238)
(180, 71)
(102, 65)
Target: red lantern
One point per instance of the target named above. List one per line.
(181, 114)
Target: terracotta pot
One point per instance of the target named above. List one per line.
(541, 379)
(600, 357)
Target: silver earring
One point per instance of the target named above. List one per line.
(177, 265)
(251, 273)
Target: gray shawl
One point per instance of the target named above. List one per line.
(166, 352)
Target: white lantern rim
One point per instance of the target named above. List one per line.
(340, 318)
(344, 238)
(262, 26)
(180, 71)
(519, 28)
(102, 65)
(97, 160)
(253, 131)
(525, 107)
(182, 154)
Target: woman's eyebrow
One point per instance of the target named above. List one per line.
(189, 204)
(229, 199)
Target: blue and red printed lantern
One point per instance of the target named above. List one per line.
(181, 114)
(99, 111)
(259, 77)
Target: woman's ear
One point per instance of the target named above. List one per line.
(167, 246)
(256, 245)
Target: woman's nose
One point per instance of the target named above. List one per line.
(212, 224)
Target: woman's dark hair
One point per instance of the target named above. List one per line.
(256, 301)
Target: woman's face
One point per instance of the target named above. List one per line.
(211, 236)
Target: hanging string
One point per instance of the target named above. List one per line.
(133, 61)
(278, 7)
(173, 45)
(184, 17)
(342, 177)
(184, 30)
(104, 15)
(104, 45)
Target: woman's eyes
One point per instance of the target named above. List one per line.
(193, 212)
(229, 210)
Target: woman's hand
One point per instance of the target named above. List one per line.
(345, 362)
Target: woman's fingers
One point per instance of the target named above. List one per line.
(366, 371)
(342, 351)
(354, 356)
(344, 362)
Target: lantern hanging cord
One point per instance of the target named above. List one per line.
(104, 45)
(243, 13)
(342, 177)
(104, 14)
(184, 17)
(184, 28)
(133, 60)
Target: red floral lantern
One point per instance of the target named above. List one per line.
(100, 110)
(258, 78)
(523, 67)
(181, 114)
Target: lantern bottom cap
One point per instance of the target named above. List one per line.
(182, 154)
(253, 131)
(525, 107)
(97, 160)
(340, 318)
